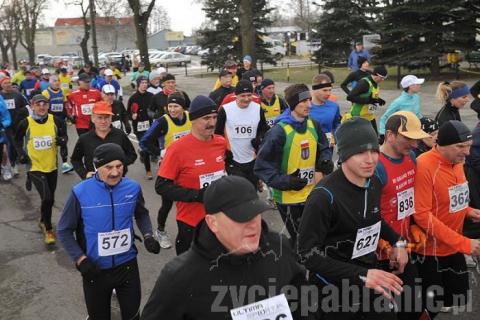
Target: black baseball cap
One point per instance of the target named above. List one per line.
(236, 197)
(452, 132)
(243, 86)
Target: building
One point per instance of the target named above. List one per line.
(163, 39)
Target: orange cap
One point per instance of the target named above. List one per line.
(102, 107)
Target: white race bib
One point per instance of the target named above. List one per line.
(65, 86)
(367, 240)
(207, 178)
(272, 308)
(114, 242)
(117, 124)
(459, 197)
(307, 173)
(56, 107)
(271, 122)
(143, 125)
(243, 131)
(42, 143)
(87, 108)
(178, 135)
(405, 203)
(372, 108)
(10, 104)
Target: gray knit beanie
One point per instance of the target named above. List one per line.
(355, 136)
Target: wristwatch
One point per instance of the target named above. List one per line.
(402, 243)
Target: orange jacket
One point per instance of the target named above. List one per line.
(435, 175)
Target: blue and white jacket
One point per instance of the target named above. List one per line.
(94, 209)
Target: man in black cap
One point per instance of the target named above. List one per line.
(232, 249)
(225, 88)
(100, 212)
(441, 207)
(242, 122)
(365, 96)
(341, 227)
(191, 164)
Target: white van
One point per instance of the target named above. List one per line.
(277, 48)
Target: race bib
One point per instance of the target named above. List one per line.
(405, 203)
(459, 197)
(56, 107)
(42, 143)
(307, 173)
(271, 122)
(372, 108)
(178, 135)
(117, 124)
(114, 242)
(65, 86)
(207, 178)
(272, 308)
(87, 108)
(367, 240)
(10, 104)
(143, 125)
(243, 131)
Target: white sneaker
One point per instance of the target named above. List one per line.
(6, 173)
(15, 171)
(164, 239)
(471, 263)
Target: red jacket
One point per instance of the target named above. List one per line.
(82, 102)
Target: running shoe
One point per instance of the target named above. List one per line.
(49, 237)
(15, 171)
(164, 239)
(6, 173)
(149, 175)
(66, 167)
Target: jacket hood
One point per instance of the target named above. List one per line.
(206, 244)
(286, 117)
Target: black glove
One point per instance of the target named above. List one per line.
(61, 141)
(151, 244)
(199, 197)
(381, 139)
(88, 269)
(296, 183)
(23, 158)
(325, 167)
(379, 101)
(128, 129)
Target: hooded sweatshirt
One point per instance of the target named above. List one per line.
(405, 102)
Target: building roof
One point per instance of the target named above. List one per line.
(99, 21)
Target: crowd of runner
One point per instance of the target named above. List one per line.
(396, 216)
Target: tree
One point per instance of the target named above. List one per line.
(342, 23)
(93, 26)
(28, 13)
(141, 14)
(159, 20)
(415, 34)
(224, 36)
(86, 27)
(9, 21)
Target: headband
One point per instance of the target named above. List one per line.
(297, 98)
(321, 85)
(459, 92)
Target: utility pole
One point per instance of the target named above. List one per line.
(93, 14)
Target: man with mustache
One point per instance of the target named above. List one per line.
(190, 165)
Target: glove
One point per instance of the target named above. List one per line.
(379, 101)
(23, 158)
(151, 244)
(381, 139)
(419, 237)
(326, 167)
(88, 269)
(199, 197)
(296, 183)
(61, 141)
(128, 129)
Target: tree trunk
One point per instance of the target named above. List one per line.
(399, 72)
(142, 45)
(435, 67)
(84, 42)
(4, 53)
(13, 49)
(93, 14)
(247, 30)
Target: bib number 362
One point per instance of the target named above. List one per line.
(114, 242)
(367, 240)
(459, 197)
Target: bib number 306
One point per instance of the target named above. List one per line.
(367, 240)
(114, 242)
(42, 143)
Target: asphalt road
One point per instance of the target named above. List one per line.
(37, 282)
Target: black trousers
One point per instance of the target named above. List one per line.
(46, 184)
(245, 170)
(184, 237)
(143, 154)
(444, 281)
(291, 216)
(162, 216)
(125, 279)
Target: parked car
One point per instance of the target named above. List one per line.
(44, 59)
(172, 58)
(203, 53)
(193, 50)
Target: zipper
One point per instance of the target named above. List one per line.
(113, 220)
(365, 204)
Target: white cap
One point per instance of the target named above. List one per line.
(45, 71)
(108, 88)
(410, 80)
(108, 72)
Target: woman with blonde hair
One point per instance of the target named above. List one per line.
(454, 96)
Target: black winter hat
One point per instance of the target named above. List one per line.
(168, 77)
(178, 98)
(299, 94)
(452, 132)
(201, 106)
(106, 153)
(243, 86)
(355, 136)
(265, 83)
(380, 71)
(361, 60)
